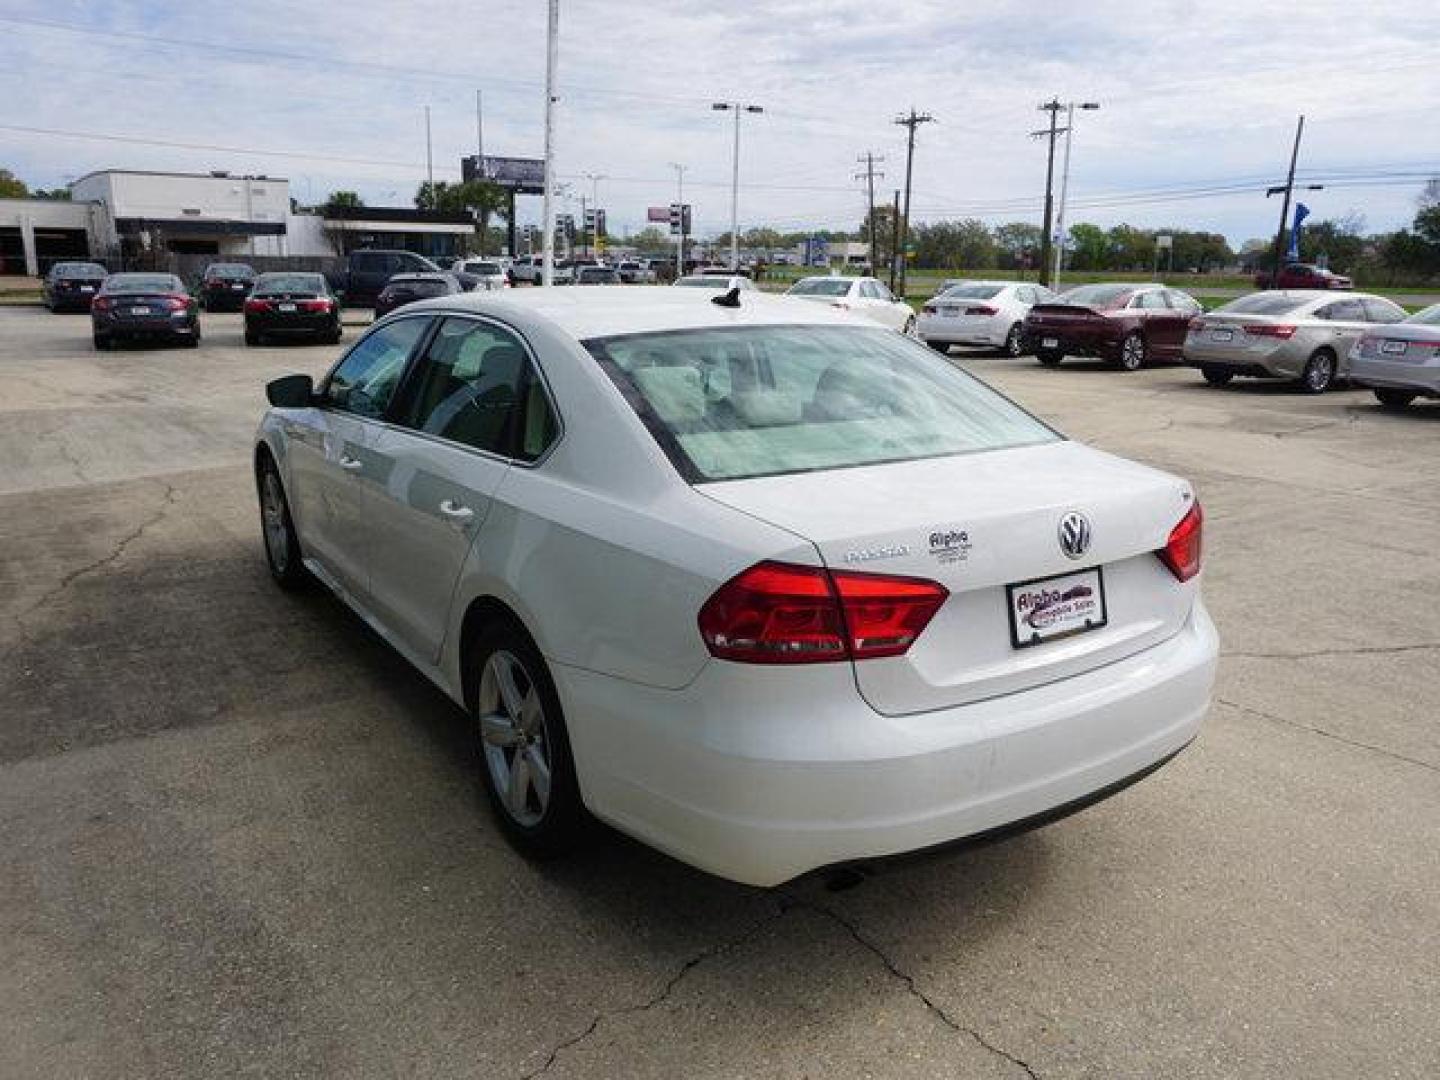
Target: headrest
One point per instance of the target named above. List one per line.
(675, 393)
(766, 408)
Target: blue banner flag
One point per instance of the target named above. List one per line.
(1301, 213)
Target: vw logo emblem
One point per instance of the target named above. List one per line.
(1075, 534)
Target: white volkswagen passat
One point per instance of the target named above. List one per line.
(766, 586)
(980, 313)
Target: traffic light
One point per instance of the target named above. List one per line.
(676, 217)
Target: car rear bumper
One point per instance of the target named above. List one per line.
(1263, 360)
(292, 324)
(1422, 378)
(139, 329)
(963, 331)
(1103, 343)
(760, 774)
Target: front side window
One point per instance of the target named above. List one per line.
(732, 403)
(365, 381)
(475, 386)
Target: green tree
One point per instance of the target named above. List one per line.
(1130, 249)
(1339, 242)
(1017, 244)
(343, 200)
(1089, 247)
(58, 194)
(652, 239)
(11, 186)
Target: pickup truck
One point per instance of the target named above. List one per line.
(366, 271)
(1303, 276)
(528, 269)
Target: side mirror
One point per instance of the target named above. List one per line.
(291, 392)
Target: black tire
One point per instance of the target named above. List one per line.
(942, 347)
(1014, 342)
(1395, 399)
(1049, 357)
(556, 826)
(102, 344)
(193, 341)
(282, 543)
(252, 337)
(1216, 375)
(1133, 352)
(1319, 373)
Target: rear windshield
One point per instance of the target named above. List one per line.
(85, 270)
(143, 283)
(821, 287)
(1096, 295)
(593, 273)
(971, 292)
(482, 268)
(1429, 316)
(419, 288)
(230, 270)
(1264, 304)
(716, 283)
(725, 404)
(288, 283)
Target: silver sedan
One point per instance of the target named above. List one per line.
(1305, 335)
(1401, 362)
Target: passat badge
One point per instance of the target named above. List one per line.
(1074, 534)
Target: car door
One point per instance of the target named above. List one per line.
(329, 451)
(1158, 319)
(465, 415)
(1180, 309)
(1346, 321)
(877, 303)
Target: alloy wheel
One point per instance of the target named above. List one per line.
(1014, 346)
(1132, 352)
(272, 513)
(1318, 372)
(514, 737)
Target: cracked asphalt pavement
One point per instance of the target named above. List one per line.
(239, 836)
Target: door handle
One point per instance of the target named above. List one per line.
(350, 464)
(455, 512)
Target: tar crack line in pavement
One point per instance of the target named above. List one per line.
(105, 560)
(1361, 650)
(1329, 735)
(909, 981)
(665, 991)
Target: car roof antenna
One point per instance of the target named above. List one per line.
(730, 299)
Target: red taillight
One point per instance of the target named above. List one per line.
(777, 613)
(314, 305)
(252, 304)
(1270, 330)
(213, 283)
(981, 309)
(1181, 552)
(177, 303)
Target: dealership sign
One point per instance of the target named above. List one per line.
(657, 213)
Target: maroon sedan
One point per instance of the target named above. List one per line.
(1127, 325)
(1304, 276)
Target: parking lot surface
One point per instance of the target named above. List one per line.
(239, 836)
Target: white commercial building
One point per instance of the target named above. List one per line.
(187, 213)
(36, 232)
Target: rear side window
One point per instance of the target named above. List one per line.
(475, 386)
(365, 381)
(1152, 301)
(731, 403)
(1382, 311)
(1343, 311)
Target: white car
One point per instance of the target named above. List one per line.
(990, 313)
(531, 269)
(863, 295)
(766, 586)
(480, 273)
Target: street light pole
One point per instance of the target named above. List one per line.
(737, 107)
(552, 60)
(1065, 188)
(429, 160)
(1053, 107)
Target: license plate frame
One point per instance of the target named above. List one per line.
(1222, 335)
(1049, 343)
(286, 308)
(1084, 617)
(139, 311)
(1394, 348)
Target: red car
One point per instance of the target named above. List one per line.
(1304, 276)
(1125, 324)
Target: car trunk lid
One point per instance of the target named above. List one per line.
(979, 524)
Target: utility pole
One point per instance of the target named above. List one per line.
(1053, 107)
(1065, 187)
(895, 239)
(1284, 205)
(552, 60)
(737, 108)
(910, 122)
(680, 233)
(429, 161)
(870, 176)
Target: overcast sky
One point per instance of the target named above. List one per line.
(1193, 97)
